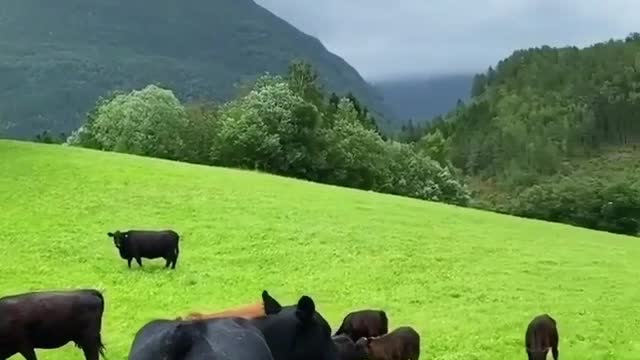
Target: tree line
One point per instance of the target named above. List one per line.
(537, 115)
(286, 125)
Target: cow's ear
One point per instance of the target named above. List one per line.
(305, 309)
(110, 234)
(271, 305)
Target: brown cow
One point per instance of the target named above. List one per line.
(541, 336)
(364, 323)
(402, 343)
(49, 320)
(267, 306)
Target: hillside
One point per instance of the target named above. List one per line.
(424, 99)
(541, 112)
(468, 280)
(55, 61)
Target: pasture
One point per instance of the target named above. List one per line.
(468, 281)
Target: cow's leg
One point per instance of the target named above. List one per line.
(129, 262)
(29, 353)
(139, 261)
(175, 260)
(90, 347)
(555, 352)
(167, 260)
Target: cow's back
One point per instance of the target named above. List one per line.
(541, 332)
(223, 339)
(364, 323)
(155, 243)
(145, 342)
(410, 339)
(237, 336)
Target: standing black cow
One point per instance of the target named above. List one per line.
(364, 323)
(296, 332)
(148, 244)
(49, 320)
(541, 336)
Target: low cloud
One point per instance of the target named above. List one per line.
(427, 37)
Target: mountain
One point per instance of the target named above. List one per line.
(56, 60)
(553, 133)
(423, 99)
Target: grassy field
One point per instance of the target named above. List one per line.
(468, 281)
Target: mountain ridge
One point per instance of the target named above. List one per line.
(58, 68)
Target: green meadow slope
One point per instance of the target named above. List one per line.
(468, 281)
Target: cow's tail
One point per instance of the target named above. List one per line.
(101, 348)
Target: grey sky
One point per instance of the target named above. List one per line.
(427, 37)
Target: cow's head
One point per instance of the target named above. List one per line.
(347, 349)
(118, 237)
(298, 332)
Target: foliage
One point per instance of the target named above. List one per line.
(586, 201)
(202, 125)
(149, 122)
(283, 125)
(353, 153)
(537, 112)
(480, 274)
(53, 70)
(47, 138)
(270, 129)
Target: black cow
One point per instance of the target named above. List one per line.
(347, 349)
(50, 320)
(541, 336)
(297, 332)
(220, 339)
(364, 323)
(148, 244)
(402, 343)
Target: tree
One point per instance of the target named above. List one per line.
(271, 129)
(353, 153)
(303, 81)
(149, 122)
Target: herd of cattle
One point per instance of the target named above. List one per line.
(265, 330)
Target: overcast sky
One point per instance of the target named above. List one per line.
(427, 37)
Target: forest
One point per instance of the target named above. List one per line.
(552, 133)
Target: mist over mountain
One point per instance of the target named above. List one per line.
(424, 98)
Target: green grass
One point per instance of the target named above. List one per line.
(468, 281)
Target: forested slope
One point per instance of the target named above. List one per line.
(540, 114)
(57, 58)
